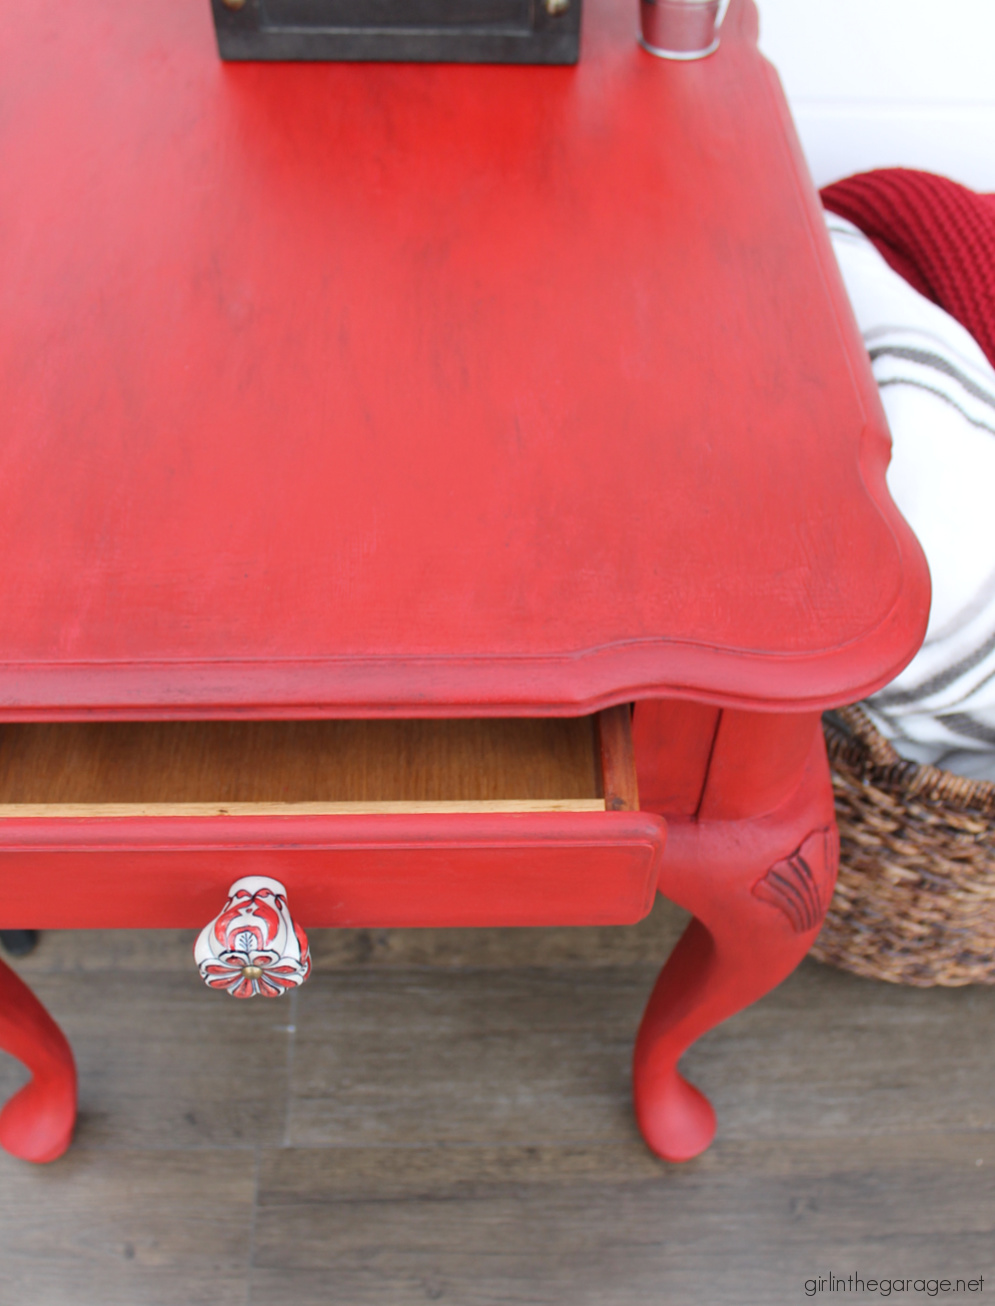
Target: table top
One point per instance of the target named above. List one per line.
(370, 389)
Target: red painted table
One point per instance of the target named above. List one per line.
(344, 391)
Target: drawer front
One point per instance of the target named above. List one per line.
(372, 870)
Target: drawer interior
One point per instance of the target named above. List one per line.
(221, 767)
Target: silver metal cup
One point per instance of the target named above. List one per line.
(681, 29)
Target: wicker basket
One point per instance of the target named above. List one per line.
(915, 901)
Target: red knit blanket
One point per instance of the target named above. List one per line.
(938, 234)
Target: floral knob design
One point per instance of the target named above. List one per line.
(253, 946)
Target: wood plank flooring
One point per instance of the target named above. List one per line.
(444, 1116)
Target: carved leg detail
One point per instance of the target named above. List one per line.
(37, 1122)
(759, 891)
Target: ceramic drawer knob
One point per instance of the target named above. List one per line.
(253, 946)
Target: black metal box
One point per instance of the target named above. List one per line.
(447, 31)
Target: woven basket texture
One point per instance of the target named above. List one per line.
(915, 899)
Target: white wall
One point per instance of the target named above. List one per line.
(879, 83)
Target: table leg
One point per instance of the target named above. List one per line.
(759, 888)
(37, 1122)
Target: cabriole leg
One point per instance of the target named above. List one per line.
(759, 889)
(37, 1122)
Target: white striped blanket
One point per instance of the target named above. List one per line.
(938, 391)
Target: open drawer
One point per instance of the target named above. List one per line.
(497, 821)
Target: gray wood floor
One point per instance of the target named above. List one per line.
(444, 1116)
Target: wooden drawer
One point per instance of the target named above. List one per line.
(509, 821)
